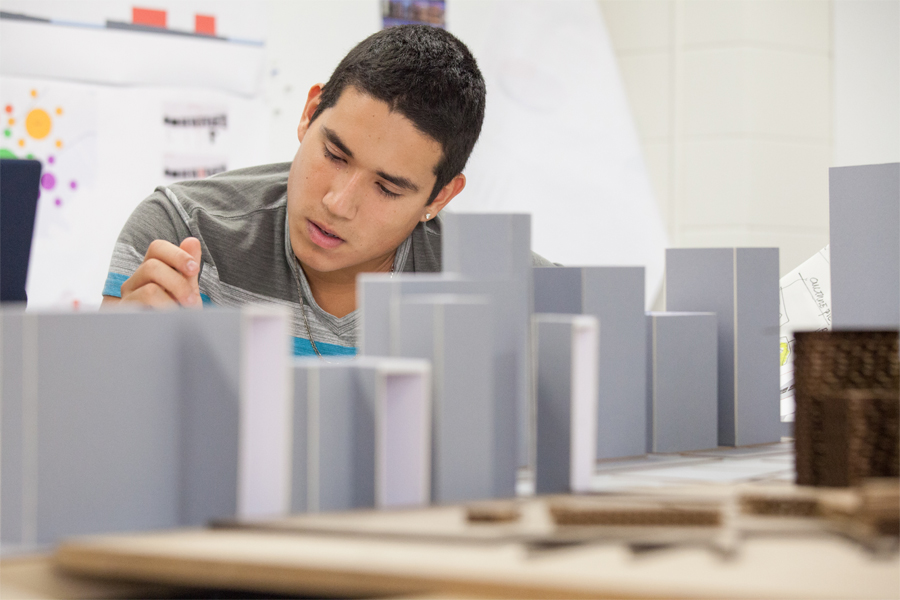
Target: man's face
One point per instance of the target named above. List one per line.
(358, 185)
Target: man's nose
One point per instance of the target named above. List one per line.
(342, 200)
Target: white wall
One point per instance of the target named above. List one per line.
(305, 40)
(733, 101)
(866, 82)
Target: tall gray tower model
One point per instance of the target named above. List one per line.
(865, 246)
(740, 285)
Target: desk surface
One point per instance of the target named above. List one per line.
(437, 551)
(433, 551)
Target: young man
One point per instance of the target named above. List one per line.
(383, 146)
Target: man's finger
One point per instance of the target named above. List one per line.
(154, 271)
(191, 245)
(152, 295)
(173, 256)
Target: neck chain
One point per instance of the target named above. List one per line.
(303, 307)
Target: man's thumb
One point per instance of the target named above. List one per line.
(191, 245)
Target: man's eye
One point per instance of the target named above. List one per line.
(387, 192)
(331, 156)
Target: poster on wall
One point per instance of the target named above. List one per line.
(412, 12)
(187, 104)
(116, 145)
(56, 124)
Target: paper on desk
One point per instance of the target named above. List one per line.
(805, 305)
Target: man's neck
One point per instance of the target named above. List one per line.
(335, 291)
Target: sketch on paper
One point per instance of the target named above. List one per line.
(804, 305)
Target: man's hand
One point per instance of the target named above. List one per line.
(167, 277)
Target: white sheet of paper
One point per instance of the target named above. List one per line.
(559, 140)
(805, 305)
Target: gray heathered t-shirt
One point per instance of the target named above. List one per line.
(240, 218)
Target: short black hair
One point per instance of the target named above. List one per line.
(427, 75)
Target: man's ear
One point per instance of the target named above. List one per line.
(312, 103)
(447, 193)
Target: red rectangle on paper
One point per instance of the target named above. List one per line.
(204, 24)
(149, 17)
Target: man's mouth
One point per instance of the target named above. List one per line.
(322, 236)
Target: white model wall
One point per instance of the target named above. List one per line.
(733, 102)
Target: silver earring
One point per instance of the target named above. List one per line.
(427, 216)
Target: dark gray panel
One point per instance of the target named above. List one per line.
(11, 426)
(702, 280)
(486, 246)
(865, 246)
(683, 389)
(504, 347)
(469, 410)
(558, 290)
(469, 423)
(346, 444)
(374, 292)
(107, 423)
(758, 375)
(497, 247)
(306, 385)
(615, 295)
(211, 350)
(553, 346)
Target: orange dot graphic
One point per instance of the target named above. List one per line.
(21, 143)
(59, 110)
(12, 121)
(59, 143)
(34, 93)
(38, 123)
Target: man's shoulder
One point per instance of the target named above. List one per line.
(235, 193)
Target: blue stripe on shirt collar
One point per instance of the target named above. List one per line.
(302, 347)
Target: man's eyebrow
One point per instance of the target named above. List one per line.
(336, 140)
(400, 182)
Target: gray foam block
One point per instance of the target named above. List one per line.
(306, 386)
(361, 434)
(381, 296)
(615, 295)
(341, 472)
(128, 419)
(682, 387)
(865, 246)
(497, 247)
(11, 425)
(209, 415)
(566, 348)
(454, 332)
(99, 417)
(740, 285)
